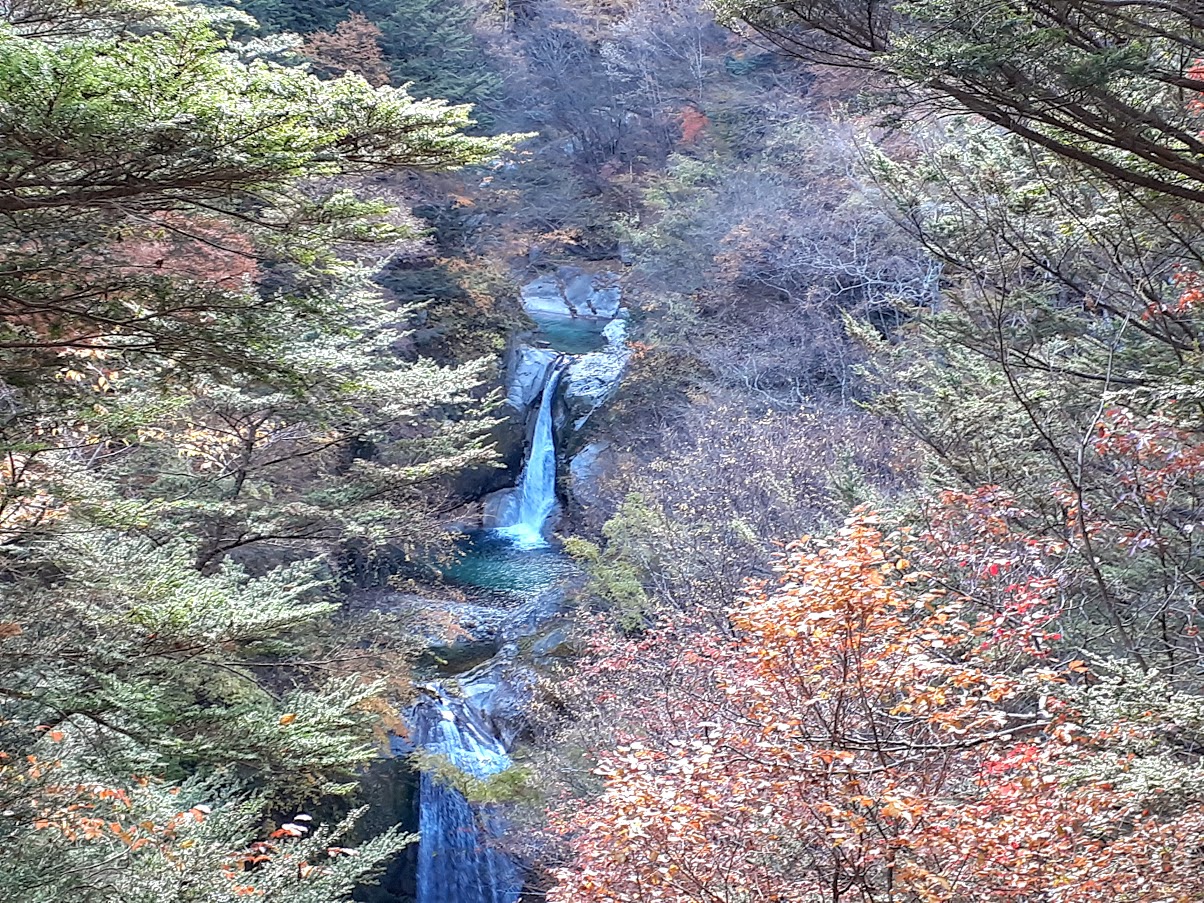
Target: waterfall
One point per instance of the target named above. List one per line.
(456, 864)
(534, 497)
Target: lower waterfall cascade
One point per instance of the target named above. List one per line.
(456, 861)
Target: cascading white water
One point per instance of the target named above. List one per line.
(456, 863)
(534, 498)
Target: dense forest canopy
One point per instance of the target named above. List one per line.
(885, 519)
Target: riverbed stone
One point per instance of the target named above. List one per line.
(459, 635)
(544, 296)
(455, 635)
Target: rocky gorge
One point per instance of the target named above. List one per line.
(484, 651)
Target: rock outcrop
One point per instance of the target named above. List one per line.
(527, 374)
(572, 292)
(455, 635)
(593, 378)
(495, 507)
(585, 468)
(499, 691)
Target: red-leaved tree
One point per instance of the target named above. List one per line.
(865, 732)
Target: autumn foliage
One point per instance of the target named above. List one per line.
(864, 732)
(354, 46)
(693, 124)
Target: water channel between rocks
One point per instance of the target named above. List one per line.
(510, 571)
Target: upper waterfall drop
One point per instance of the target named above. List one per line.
(534, 498)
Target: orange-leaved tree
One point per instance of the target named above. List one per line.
(866, 733)
(354, 46)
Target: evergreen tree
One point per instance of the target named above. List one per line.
(1100, 83)
(188, 373)
(1062, 367)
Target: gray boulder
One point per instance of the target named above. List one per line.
(554, 647)
(500, 692)
(545, 296)
(527, 374)
(459, 635)
(495, 507)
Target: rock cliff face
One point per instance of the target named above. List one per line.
(593, 378)
(509, 437)
(526, 375)
(585, 468)
(527, 369)
(572, 292)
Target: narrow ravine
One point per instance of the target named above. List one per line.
(513, 570)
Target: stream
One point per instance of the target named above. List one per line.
(508, 565)
(525, 513)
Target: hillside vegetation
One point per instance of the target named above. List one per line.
(892, 581)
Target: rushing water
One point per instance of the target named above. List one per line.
(534, 498)
(456, 861)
